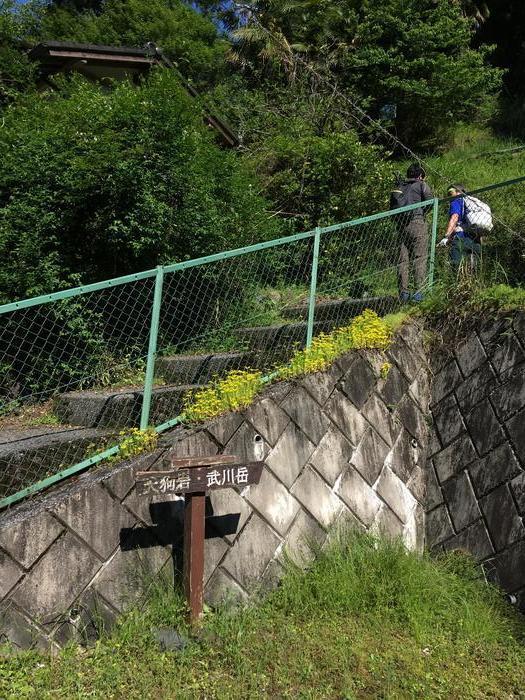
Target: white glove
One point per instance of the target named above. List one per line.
(443, 242)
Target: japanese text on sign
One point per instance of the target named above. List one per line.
(227, 477)
(199, 479)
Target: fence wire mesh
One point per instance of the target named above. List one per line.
(229, 314)
(75, 372)
(57, 360)
(369, 264)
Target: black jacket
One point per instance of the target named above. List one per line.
(415, 191)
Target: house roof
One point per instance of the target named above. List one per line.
(97, 62)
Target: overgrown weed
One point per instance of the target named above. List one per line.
(239, 387)
(368, 619)
(469, 300)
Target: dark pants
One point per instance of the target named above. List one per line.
(414, 247)
(465, 249)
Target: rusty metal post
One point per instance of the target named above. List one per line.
(193, 563)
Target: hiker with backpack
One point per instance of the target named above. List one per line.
(469, 219)
(413, 232)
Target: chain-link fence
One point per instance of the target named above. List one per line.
(80, 366)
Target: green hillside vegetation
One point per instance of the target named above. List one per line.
(478, 157)
(99, 182)
(368, 620)
(97, 185)
(102, 184)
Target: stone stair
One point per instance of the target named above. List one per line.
(266, 341)
(199, 369)
(31, 454)
(121, 409)
(275, 341)
(184, 373)
(341, 310)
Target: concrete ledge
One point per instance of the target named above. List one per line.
(340, 309)
(27, 457)
(199, 369)
(119, 409)
(181, 369)
(278, 341)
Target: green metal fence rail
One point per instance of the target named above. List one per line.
(111, 355)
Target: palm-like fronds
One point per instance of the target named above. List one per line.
(479, 11)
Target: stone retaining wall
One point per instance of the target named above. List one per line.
(476, 477)
(343, 446)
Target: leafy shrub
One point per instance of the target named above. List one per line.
(324, 177)
(96, 184)
(135, 441)
(17, 72)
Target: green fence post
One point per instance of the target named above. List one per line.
(433, 243)
(313, 288)
(152, 348)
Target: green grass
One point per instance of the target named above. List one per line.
(368, 620)
(471, 299)
(45, 419)
(478, 157)
(394, 321)
(16, 415)
(453, 311)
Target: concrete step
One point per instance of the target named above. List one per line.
(31, 454)
(272, 341)
(199, 369)
(340, 310)
(276, 341)
(120, 409)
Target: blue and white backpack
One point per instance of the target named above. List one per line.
(477, 214)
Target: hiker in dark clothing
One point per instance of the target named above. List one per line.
(413, 232)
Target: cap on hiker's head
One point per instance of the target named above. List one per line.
(455, 188)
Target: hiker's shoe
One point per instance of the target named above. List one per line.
(417, 297)
(404, 297)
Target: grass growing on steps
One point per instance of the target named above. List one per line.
(368, 620)
(240, 387)
(395, 320)
(473, 297)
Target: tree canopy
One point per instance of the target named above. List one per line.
(98, 183)
(17, 72)
(414, 55)
(189, 38)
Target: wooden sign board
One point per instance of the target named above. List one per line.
(200, 478)
(193, 477)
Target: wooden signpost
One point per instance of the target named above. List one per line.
(193, 476)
